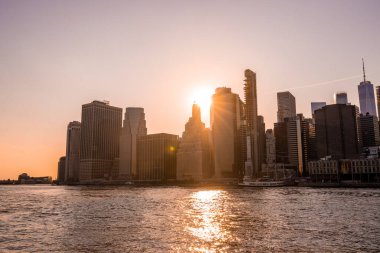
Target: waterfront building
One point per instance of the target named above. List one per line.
(309, 152)
(72, 152)
(24, 178)
(341, 98)
(369, 127)
(226, 121)
(270, 147)
(315, 106)
(252, 125)
(194, 156)
(345, 170)
(61, 169)
(366, 96)
(337, 132)
(156, 157)
(100, 134)
(134, 126)
(286, 104)
(295, 142)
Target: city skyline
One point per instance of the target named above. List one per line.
(57, 78)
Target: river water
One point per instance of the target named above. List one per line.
(178, 219)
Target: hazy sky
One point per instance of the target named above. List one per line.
(57, 55)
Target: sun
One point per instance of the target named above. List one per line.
(202, 97)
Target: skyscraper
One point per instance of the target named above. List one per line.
(61, 169)
(270, 147)
(250, 93)
(100, 134)
(295, 143)
(72, 152)
(315, 106)
(194, 157)
(286, 104)
(340, 98)
(261, 142)
(366, 96)
(225, 125)
(156, 157)
(369, 127)
(295, 140)
(337, 132)
(134, 126)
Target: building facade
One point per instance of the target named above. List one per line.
(194, 156)
(252, 124)
(270, 147)
(338, 132)
(345, 170)
(286, 104)
(61, 169)
(134, 126)
(341, 98)
(100, 134)
(295, 142)
(225, 124)
(366, 96)
(157, 157)
(315, 106)
(73, 152)
(261, 142)
(369, 127)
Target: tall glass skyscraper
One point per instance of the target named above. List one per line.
(366, 96)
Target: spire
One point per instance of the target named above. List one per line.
(363, 70)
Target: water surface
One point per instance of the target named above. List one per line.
(176, 219)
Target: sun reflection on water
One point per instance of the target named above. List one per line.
(207, 221)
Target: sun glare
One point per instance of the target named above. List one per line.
(202, 97)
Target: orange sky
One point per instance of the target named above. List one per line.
(57, 55)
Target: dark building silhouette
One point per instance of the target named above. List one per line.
(156, 157)
(369, 127)
(295, 142)
(309, 152)
(315, 106)
(281, 139)
(261, 141)
(337, 132)
(100, 133)
(226, 121)
(252, 127)
(72, 152)
(61, 169)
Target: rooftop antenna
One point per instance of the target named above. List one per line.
(363, 70)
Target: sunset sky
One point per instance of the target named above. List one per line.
(57, 55)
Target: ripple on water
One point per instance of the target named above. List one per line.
(175, 219)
